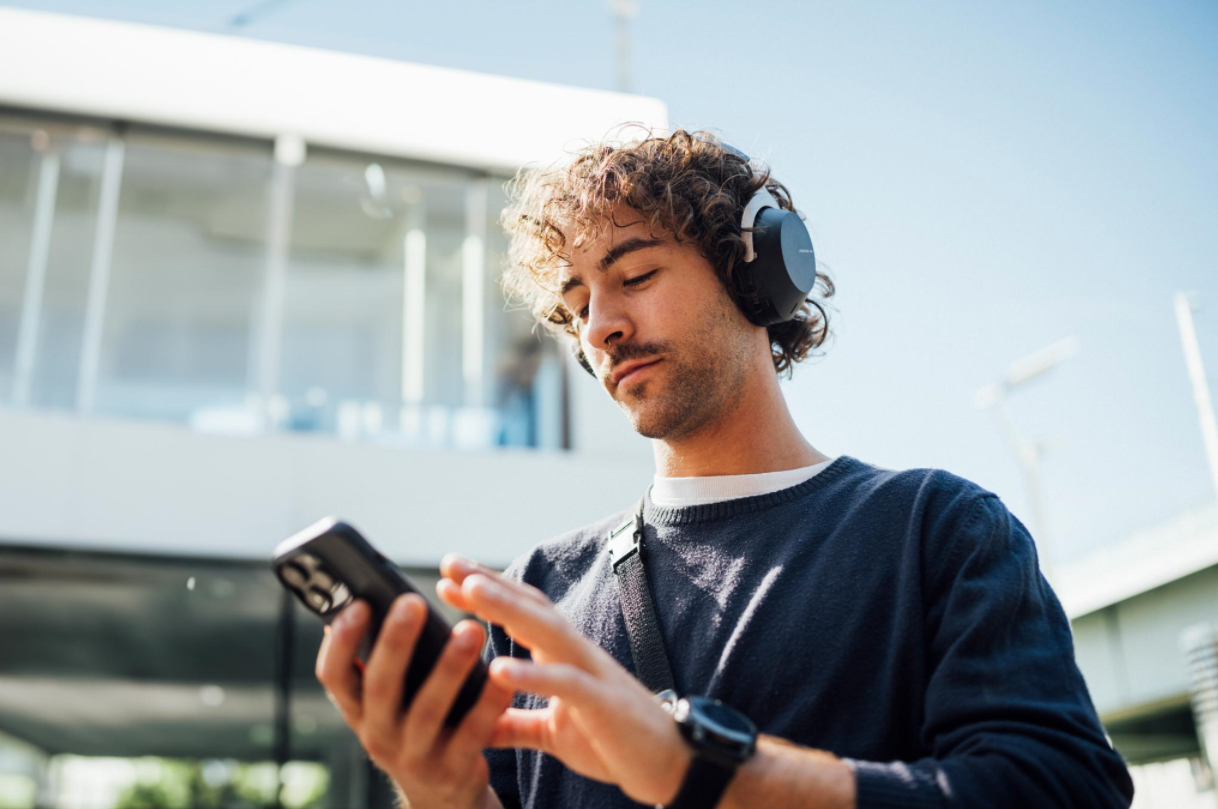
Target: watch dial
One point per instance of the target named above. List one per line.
(727, 718)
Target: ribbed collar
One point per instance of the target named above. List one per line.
(692, 515)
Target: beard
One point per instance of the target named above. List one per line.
(692, 387)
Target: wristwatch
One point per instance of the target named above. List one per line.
(722, 739)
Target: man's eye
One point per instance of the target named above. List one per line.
(583, 313)
(638, 279)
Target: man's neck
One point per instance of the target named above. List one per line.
(756, 434)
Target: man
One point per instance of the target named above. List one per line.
(889, 633)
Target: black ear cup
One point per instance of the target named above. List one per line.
(783, 273)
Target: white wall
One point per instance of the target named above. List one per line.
(129, 485)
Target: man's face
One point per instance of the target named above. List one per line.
(657, 326)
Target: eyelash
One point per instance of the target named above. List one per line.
(638, 279)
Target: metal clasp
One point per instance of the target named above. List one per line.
(624, 540)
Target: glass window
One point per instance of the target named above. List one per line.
(19, 181)
(187, 269)
(387, 323)
(525, 375)
(50, 178)
(376, 325)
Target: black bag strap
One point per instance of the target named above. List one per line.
(626, 553)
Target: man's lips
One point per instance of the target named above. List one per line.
(629, 370)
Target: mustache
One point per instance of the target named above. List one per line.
(634, 351)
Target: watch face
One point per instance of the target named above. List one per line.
(726, 718)
(719, 728)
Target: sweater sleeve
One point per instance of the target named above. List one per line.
(1008, 720)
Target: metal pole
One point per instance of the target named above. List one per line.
(623, 10)
(35, 275)
(285, 651)
(1028, 455)
(473, 292)
(99, 275)
(289, 153)
(1201, 389)
(414, 313)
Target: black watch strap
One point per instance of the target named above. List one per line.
(704, 785)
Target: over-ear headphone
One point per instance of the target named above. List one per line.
(779, 264)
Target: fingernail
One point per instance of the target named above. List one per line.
(464, 640)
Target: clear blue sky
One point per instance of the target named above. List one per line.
(980, 179)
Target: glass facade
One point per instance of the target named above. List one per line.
(50, 184)
(239, 287)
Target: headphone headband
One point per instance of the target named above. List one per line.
(762, 198)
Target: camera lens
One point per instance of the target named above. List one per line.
(294, 575)
(318, 599)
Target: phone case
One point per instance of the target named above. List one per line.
(330, 564)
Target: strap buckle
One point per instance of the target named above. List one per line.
(624, 541)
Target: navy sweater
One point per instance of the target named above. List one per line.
(897, 619)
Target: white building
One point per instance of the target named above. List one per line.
(242, 286)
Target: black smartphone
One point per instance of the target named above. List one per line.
(329, 564)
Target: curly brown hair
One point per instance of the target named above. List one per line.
(687, 184)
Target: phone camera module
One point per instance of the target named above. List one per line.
(307, 561)
(294, 575)
(319, 600)
(341, 595)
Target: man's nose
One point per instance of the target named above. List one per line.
(608, 323)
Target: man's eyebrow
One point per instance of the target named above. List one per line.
(570, 284)
(615, 252)
(628, 246)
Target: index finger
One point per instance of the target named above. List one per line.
(458, 568)
(538, 626)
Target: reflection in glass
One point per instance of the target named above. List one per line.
(189, 253)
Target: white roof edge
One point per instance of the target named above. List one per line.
(216, 83)
(1180, 547)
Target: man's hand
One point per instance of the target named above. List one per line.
(600, 721)
(432, 765)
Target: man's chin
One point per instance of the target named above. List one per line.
(648, 420)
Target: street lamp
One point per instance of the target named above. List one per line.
(1185, 304)
(1028, 453)
(623, 11)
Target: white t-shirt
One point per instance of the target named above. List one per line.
(677, 492)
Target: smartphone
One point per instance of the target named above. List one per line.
(329, 565)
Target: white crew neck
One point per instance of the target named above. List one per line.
(701, 491)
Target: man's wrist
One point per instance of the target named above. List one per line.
(782, 773)
(717, 738)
